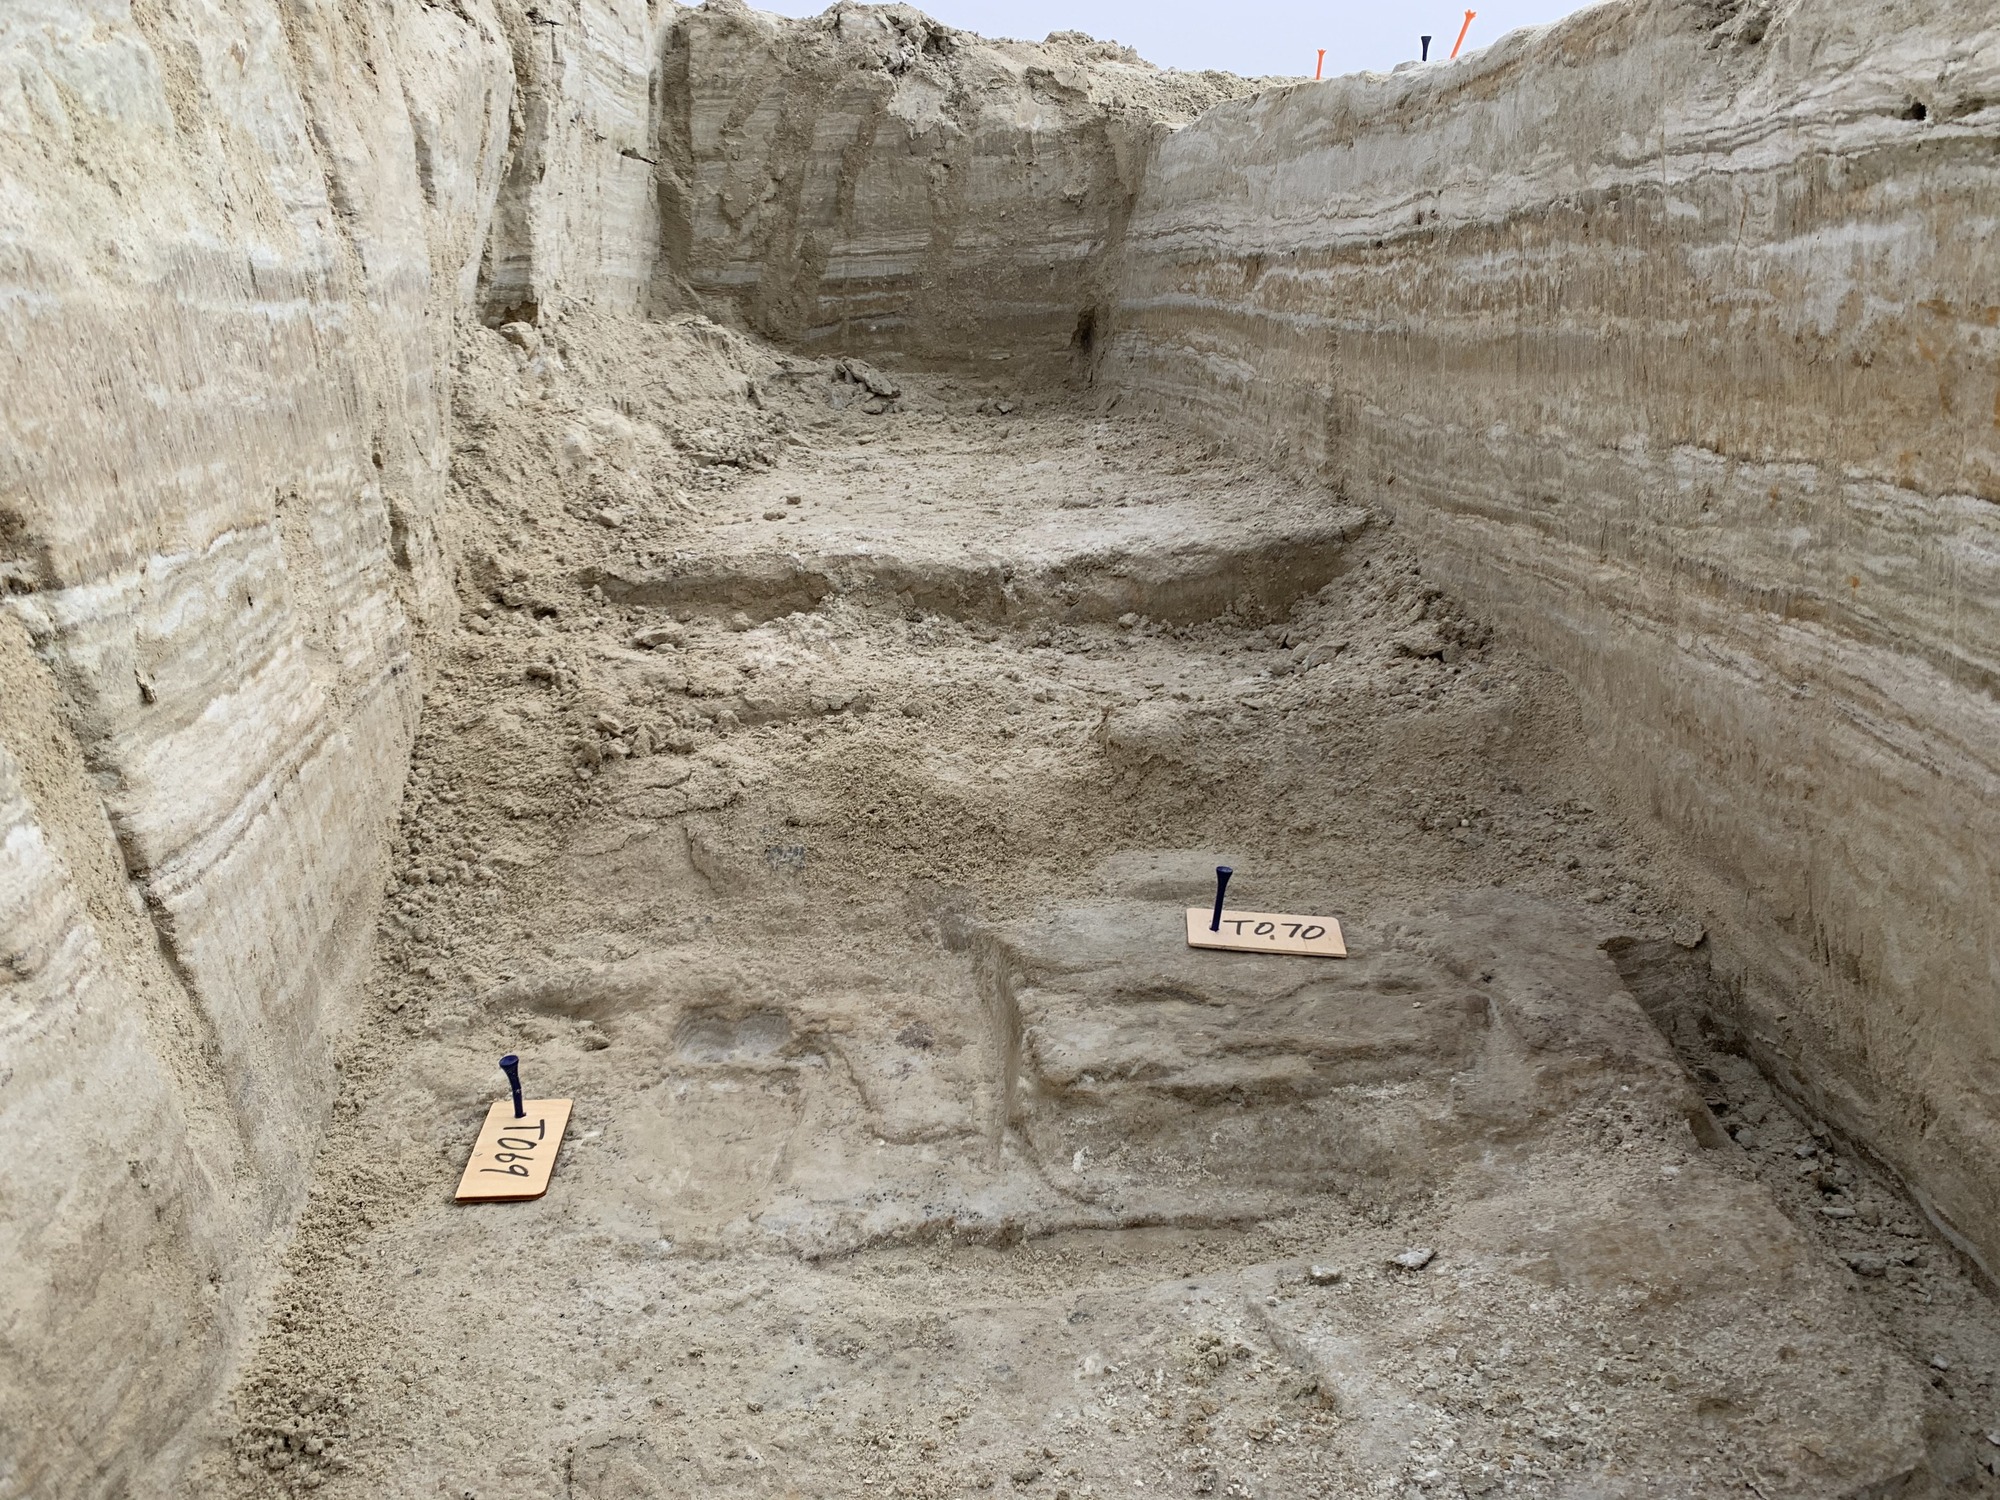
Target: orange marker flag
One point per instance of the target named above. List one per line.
(1462, 31)
(1320, 66)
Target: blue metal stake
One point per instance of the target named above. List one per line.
(1222, 874)
(1427, 48)
(511, 1066)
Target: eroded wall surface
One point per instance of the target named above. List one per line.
(1672, 336)
(578, 218)
(870, 179)
(232, 238)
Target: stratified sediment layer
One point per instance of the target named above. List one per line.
(1668, 334)
(872, 179)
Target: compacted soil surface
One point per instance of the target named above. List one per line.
(812, 788)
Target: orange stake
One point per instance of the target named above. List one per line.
(1320, 66)
(1462, 31)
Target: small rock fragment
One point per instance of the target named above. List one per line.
(1687, 933)
(1867, 1265)
(655, 636)
(523, 336)
(1318, 654)
(868, 377)
(1419, 643)
(1323, 1275)
(1127, 620)
(774, 515)
(1413, 1259)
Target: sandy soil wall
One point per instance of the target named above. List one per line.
(870, 179)
(1671, 335)
(231, 244)
(577, 218)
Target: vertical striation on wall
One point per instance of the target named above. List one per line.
(577, 218)
(1673, 333)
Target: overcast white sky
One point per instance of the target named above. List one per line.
(1244, 36)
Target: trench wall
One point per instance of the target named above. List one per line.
(873, 181)
(1671, 335)
(235, 239)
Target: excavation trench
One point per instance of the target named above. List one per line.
(1536, 509)
(826, 839)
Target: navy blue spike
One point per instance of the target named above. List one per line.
(511, 1066)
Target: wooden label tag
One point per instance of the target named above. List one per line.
(514, 1155)
(1266, 932)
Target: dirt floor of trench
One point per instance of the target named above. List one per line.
(811, 789)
